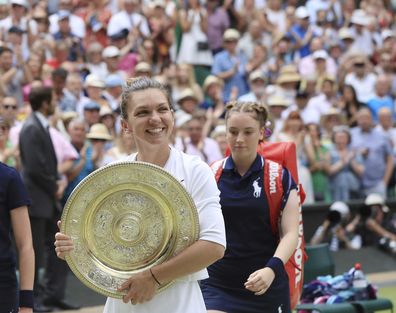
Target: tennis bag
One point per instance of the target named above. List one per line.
(278, 155)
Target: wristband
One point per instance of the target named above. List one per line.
(26, 298)
(275, 264)
(155, 278)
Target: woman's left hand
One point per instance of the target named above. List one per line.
(259, 281)
(140, 288)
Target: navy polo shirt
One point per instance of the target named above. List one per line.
(12, 195)
(250, 240)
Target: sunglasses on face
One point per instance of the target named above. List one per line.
(9, 107)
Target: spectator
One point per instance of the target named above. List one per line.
(129, 18)
(194, 47)
(230, 66)
(362, 79)
(318, 163)
(257, 87)
(381, 98)
(40, 174)
(95, 63)
(219, 135)
(288, 82)
(96, 17)
(363, 40)
(301, 32)
(218, 22)
(124, 145)
(65, 101)
(91, 113)
(196, 144)
(367, 225)
(308, 65)
(9, 154)
(111, 56)
(185, 79)
(213, 90)
(324, 101)
(84, 164)
(12, 77)
(65, 34)
(346, 167)
(332, 230)
(349, 104)
(112, 94)
(377, 154)
(188, 101)
(277, 106)
(98, 136)
(77, 24)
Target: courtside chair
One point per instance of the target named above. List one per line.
(320, 263)
(370, 306)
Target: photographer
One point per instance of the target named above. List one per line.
(368, 223)
(332, 230)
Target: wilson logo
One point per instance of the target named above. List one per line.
(298, 254)
(273, 174)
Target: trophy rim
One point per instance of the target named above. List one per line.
(151, 169)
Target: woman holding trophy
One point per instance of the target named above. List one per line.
(147, 114)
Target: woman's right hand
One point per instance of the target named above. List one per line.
(63, 244)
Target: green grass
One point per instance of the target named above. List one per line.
(388, 292)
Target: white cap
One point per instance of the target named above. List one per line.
(23, 3)
(374, 198)
(359, 17)
(110, 52)
(386, 33)
(301, 12)
(93, 80)
(320, 54)
(340, 207)
(181, 118)
(345, 33)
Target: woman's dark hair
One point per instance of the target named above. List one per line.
(38, 96)
(355, 99)
(138, 84)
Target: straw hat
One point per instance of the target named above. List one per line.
(345, 33)
(99, 131)
(256, 75)
(187, 93)
(142, 67)
(288, 74)
(68, 115)
(278, 100)
(105, 110)
(211, 79)
(231, 34)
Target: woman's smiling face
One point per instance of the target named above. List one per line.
(150, 118)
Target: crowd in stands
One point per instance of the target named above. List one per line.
(325, 69)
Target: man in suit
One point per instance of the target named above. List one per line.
(40, 174)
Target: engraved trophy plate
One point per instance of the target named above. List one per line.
(125, 218)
